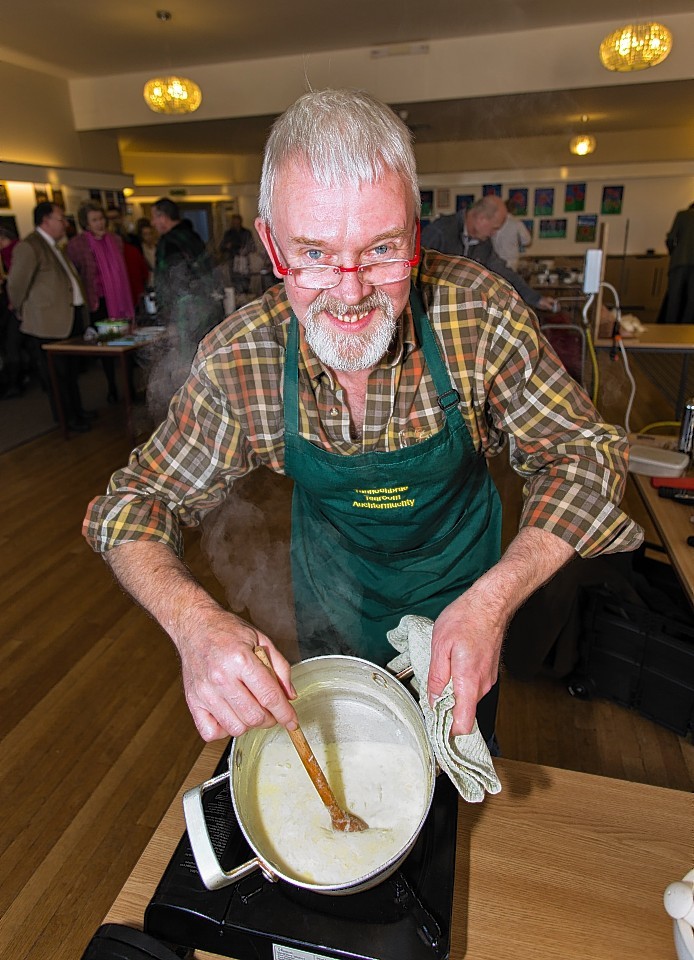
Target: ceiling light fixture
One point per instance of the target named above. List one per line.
(583, 143)
(635, 47)
(171, 94)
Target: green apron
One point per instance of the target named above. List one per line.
(379, 535)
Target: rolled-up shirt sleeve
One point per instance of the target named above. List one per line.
(574, 465)
(184, 470)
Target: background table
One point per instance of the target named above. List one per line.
(559, 864)
(672, 521)
(662, 338)
(77, 346)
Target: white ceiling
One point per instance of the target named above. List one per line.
(77, 38)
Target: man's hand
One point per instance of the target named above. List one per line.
(227, 688)
(548, 303)
(466, 645)
(468, 634)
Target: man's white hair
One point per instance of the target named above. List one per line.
(343, 136)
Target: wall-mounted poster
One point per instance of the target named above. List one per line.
(575, 199)
(40, 194)
(518, 201)
(612, 199)
(529, 226)
(552, 229)
(4, 196)
(586, 227)
(443, 198)
(10, 223)
(464, 200)
(427, 198)
(544, 201)
(110, 198)
(95, 195)
(58, 198)
(491, 189)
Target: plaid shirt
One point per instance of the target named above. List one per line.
(227, 419)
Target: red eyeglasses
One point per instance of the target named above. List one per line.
(325, 276)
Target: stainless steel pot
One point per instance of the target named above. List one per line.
(340, 699)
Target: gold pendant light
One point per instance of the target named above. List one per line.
(171, 94)
(635, 47)
(583, 143)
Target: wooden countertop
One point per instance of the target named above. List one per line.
(672, 521)
(677, 337)
(559, 864)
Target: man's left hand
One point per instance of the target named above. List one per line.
(466, 645)
(547, 303)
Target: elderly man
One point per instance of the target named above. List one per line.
(469, 233)
(379, 381)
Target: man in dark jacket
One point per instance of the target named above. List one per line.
(469, 233)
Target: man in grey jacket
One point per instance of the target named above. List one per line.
(678, 306)
(469, 233)
(45, 291)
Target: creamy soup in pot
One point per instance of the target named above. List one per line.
(383, 783)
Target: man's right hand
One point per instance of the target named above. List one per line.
(227, 688)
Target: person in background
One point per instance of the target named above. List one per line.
(11, 373)
(236, 248)
(114, 220)
(100, 261)
(678, 305)
(511, 239)
(45, 290)
(147, 237)
(468, 233)
(379, 377)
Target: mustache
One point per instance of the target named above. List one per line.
(375, 301)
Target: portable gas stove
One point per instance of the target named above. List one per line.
(406, 917)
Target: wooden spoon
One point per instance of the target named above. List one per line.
(341, 819)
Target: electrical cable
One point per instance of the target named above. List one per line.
(591, 348)
(659, 423)
(618, 345)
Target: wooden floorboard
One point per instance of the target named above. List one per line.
(95, 736)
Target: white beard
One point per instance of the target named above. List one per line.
(349, 351)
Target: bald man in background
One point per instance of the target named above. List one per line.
(468, 233)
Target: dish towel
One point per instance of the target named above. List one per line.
(466, 758)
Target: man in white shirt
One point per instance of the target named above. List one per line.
(511, 239)
(46, 293)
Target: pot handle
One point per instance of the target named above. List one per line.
(211, 872)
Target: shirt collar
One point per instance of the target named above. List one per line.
(49, 239)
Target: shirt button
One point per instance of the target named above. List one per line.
(334, 412)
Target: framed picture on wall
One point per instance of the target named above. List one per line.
(4, 196)
(443, 198)
(427, 198)
(491, 189)
(553, 229)
(586, 227)
(95, 195)
(612, 198)
(10, 223)
(575, 199)
(58, 198)
(518, 201)
(544, 202)
(41, 194)
(529, 226)
(463, 201)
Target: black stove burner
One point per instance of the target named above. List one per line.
(407, 917)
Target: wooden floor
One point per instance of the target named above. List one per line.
(95, 736)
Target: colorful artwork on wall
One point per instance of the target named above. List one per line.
(586, 227)
(575, 199)
(544, 201)
(40, 194)
(464, 200)
(58, 197)
(553, 229)
(491, 189)
(443, 198)
(518, 201)
(612, 198)
(427, 198)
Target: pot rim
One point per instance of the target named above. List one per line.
(389, 866)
